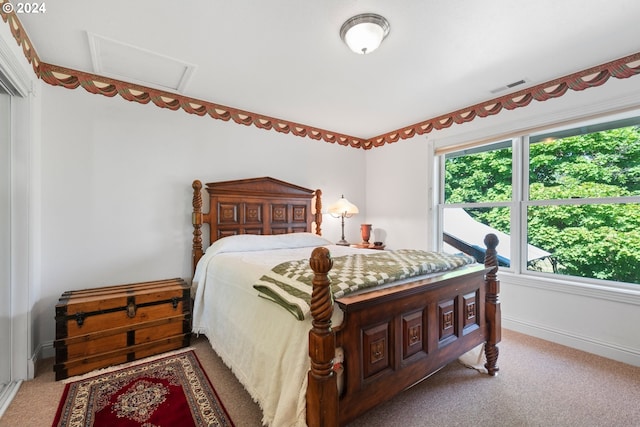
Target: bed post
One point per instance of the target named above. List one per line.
(318, 214)
(322, 390)
(492, 309)
(196, 220)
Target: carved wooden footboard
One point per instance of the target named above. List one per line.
(393, 338)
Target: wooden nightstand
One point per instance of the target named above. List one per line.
(368, 246)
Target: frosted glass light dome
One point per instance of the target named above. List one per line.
(364, 33)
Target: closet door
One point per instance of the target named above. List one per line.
(5, 239)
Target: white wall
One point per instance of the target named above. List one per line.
(116, 187)
(400, 180)
(397, 188)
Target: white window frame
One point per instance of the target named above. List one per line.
(512, 205)
(519, 205)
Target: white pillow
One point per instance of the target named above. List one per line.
(254, 242)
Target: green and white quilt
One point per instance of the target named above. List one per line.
(289, 284)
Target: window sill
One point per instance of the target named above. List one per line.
(569, 285)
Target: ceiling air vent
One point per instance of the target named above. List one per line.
(518, 83)
(509, 86)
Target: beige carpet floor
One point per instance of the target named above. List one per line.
(539, 384)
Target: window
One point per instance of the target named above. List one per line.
(575, 201)
(478, 197)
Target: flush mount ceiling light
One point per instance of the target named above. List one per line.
(364, 33)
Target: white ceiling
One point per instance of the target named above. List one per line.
(285, 58)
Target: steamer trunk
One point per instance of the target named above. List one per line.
(106, 326)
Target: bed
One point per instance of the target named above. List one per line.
(347, 354)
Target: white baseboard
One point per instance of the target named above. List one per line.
(47, 350)
(43, 351)
(617, 352)
(7, 393)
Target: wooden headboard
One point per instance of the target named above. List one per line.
(254, 206)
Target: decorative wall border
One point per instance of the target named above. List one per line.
(596, 76)
(19, 33)
(71, 79)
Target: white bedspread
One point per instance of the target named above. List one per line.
(247, 331)
(261, 342)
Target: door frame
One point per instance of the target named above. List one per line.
(20, 81)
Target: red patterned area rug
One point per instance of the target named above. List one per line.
(166, 391)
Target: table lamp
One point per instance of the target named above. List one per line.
(342, 209)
